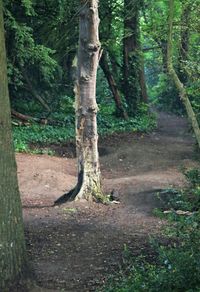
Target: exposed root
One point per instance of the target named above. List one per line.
(78, 193)
(64, 198)
(89, 191)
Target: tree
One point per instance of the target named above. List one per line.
(89, 53)
(32, 68)
(134, 86)
(184, 41)
(120, 110)
(12, 242)
(179, 85)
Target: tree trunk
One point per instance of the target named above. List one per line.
(184, 42)
(180, 87)
(143, 82)
(164, 55)
(131, 56)
(12, 243)
(113, 86)
(89, 178)
(134, 86)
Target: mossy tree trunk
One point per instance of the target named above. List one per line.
(134, 85)
(131, 86)
(184, 42)
(179, 85)
(12, 243)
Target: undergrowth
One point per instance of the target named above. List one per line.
(108, 123)
(177, 266)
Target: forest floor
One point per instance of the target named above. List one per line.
(75, 246)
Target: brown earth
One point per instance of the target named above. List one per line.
(74, 247)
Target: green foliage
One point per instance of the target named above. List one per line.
(177, 265)
(166, 96)
(193, 177)
(29, 62)
(24, 135)
(108, 123)
(185, 52)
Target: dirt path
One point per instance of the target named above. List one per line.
(75, 246)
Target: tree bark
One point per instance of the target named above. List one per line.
(113, 86)
(12, 243)
(179, 85)
(164, 55)
(134, 86)
(89, 178)
(184, 42)
(143, 85)
(131, 57)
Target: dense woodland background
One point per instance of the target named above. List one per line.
(149, 66)
(42, 40)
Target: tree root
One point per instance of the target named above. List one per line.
(80, 191)
(71, 195)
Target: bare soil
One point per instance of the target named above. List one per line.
(74, 247)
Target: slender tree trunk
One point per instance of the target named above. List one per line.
(180, 87)
(164, 55)
(69, 72)
(89, 178)
(113, 86)
(12, 243)
(184, 43)
(142, 79)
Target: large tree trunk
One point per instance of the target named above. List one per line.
(113, 86)
(179, 85)
(12, 243)
(134, 86)
(131, 87)
(89, 178)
